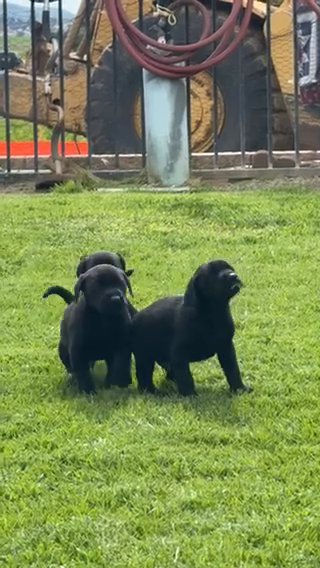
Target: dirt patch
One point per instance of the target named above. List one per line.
(196, 184)
(17, 187)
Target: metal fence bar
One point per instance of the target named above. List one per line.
(115, 97)
(61, 71)
(233, 92)
(269, 84)
(88, 76)
(215, 90)
(188, 85)
(34, 89)
(296, 128)
(142, 101)
(241, 94)
(6, 86)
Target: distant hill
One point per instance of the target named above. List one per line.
(22, 13)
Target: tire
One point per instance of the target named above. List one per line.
(112, 126)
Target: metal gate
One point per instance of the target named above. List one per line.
(71, 93)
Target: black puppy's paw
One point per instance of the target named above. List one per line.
(88, 391)
(242, 390)
(87, 387)
(169, 377)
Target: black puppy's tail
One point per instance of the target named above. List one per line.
(67, 296)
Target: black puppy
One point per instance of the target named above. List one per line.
(178, 330)
(97, 325)
(103, 257)
(86, 262)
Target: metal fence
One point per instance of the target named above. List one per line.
(70, 93)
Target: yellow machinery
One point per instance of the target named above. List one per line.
(115, 106)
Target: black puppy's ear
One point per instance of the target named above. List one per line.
(79, 286)
(81, 268)
(128, 283)
(193, 293)
(122, 261)
(129, 272)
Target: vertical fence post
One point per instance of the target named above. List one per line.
(188, 87)
(88, 75)
(115, 96)
(166, 130)
(142, 105)
(6, 86)
(61, 71)
(296, 128)
(269, 86)
(215, 90)
(241, 94)
(34, 89)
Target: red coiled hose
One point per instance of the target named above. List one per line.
(136, 42)
(314, 6)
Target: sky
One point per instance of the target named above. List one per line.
(71, 5)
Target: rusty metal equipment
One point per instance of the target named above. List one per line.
(252, 100)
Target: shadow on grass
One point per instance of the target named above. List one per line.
(213, 401)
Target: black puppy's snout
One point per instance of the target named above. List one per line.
(114, 301)
(233, 277)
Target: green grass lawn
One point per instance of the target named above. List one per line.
(123, 480)
(21, 45)
(22, 131)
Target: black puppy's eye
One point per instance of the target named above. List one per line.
(225, 273)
